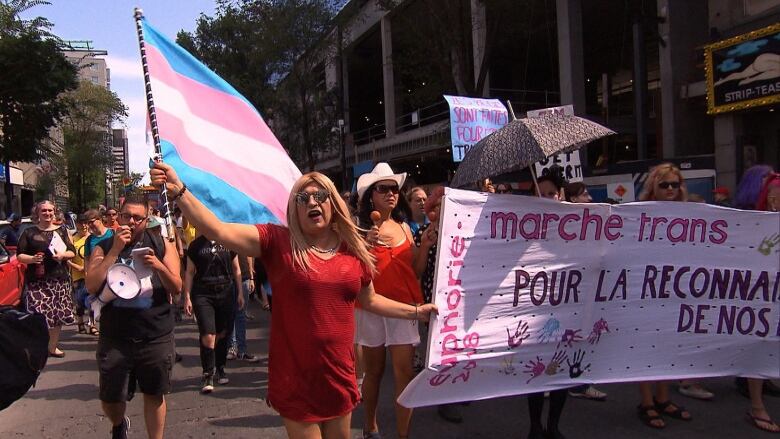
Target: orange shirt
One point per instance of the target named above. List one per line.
(395, 277)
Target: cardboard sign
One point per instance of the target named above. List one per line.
(471, 120)
(535, 295)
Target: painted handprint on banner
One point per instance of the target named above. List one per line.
(598, 328)
(575, 367)
(550, 330)
(508, 367)
(555, 364)
(520, 334)
(534, 368)
(569, 336)
(769, 242)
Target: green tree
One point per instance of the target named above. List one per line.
(258, 46)
(33, 74)
(86, 130)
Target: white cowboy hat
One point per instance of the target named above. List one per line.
(381, 171)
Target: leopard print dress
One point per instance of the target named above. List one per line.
(52, 298)
(50, 295)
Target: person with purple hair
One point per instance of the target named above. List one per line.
(750, 186)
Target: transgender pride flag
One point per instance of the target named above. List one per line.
(215, 139)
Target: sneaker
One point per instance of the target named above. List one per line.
(207, 383)
(222, 376)
(450, 413)
(120, 431)
(695, 391)
(590, 393)
(249, 358)
(232, 353)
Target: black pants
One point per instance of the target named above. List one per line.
(213, 307)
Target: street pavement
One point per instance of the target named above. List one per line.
(64, 404)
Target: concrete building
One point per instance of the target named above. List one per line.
(119, 150)
(637, 67)
(93, 68)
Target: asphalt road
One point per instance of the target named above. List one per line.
(64, 404)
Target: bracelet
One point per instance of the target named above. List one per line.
(181, 192)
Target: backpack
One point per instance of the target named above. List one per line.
(24, 349)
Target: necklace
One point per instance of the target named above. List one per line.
(323, 251)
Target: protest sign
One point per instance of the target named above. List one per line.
(471, 120)
(570, 162)
(535, 295)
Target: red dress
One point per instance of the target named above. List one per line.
(311, 365)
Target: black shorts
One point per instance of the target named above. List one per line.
(148, 362)
(213, 309)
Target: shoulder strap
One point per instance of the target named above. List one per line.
(158, 244)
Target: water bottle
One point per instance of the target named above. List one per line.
(40, 270)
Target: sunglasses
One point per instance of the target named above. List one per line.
(136, 218)
(320, 196)
(667, 185)
(385, 188)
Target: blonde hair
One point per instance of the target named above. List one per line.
(341, 221)
(657, 175)
(34, 211)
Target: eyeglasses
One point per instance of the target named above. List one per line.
(320, 196)
(667, 185)
(136, 218)
(385, 188)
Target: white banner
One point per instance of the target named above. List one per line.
(535, 295)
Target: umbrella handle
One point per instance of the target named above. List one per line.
(536, 183)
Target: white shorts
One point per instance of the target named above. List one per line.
(373, 330)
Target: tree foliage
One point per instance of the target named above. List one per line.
(257, 46)
(87, 134)
(33, 74)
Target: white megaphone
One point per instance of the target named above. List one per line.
(121, 281)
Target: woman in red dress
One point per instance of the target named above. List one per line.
(318, 266)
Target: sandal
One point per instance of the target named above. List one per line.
(82, 328)
(755, 421)
(93, 330)
(647, 418)
(677, 413)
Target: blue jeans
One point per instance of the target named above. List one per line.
(238, 339)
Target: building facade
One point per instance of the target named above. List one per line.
(636, 67)
(119, 152)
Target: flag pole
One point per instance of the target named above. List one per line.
(139, 15)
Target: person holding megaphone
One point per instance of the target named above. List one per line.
(134, 275)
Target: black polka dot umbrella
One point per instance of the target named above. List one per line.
(523, 142)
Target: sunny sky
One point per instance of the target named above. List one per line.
(110, 26)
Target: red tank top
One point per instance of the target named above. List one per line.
(396, 279)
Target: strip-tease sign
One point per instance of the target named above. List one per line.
(535, 295)
(471, 120)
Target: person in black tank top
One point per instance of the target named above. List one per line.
(136, 336)
(210, 286)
